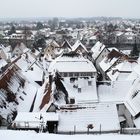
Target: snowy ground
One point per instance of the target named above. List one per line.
(29, 135)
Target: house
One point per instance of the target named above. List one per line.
(77, 87)
(111, 59)
(78, 47)
(66, 46)
(16, 36)
(129, 38)
(19, 49)
(53, 49)
(19, 35)
(79, 76)
(5, 52)
(17, 93)
(92, 40)
(121, 70)
(99, 52)
(3, 65)
(39, 121)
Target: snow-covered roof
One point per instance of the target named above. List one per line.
(128, 30)
(124, 67)
(66, 44)
(88, 93)
(137, 69)
(73, 67)
(77, 45)
(35, 52)
(93, 37)
(27, 63)
(39, 96)
(112, 48)
(2, 63)
(119, 33)
(113, 91)
(52, 42)
(99, 115)
(35, 117)
(135, 73)
(133, 98)
(19, 31)
(34, 72)
(55, 43)
(6, 51)
(97, 49)
(109, 60)
(72, 64)
(137, 122)
(127, 52)
(20, 91)
(26, 96)
(132, 76)
(105, 64)
(22, 47)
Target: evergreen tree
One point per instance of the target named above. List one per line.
(39, 26)
(12, 30)
(40, 42)
(135, 51)
(27, 33)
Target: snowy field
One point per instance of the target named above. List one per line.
(31, 135)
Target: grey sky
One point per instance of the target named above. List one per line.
(69, 8)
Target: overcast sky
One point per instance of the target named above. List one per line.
(69, 8)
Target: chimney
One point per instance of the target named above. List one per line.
(79, 89)
(50, 79)
(72, 100)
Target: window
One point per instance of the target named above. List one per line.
(72, 80)
(89, 83)
(83, 74)
(61, 74)
(90, 74)
(71, 74)
(76, 74)
(79, 90)
(72, 101)
(65, 74)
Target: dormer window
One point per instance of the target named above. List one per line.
(89, 83)
(32, 69)
(79, 90)
(72, 101)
